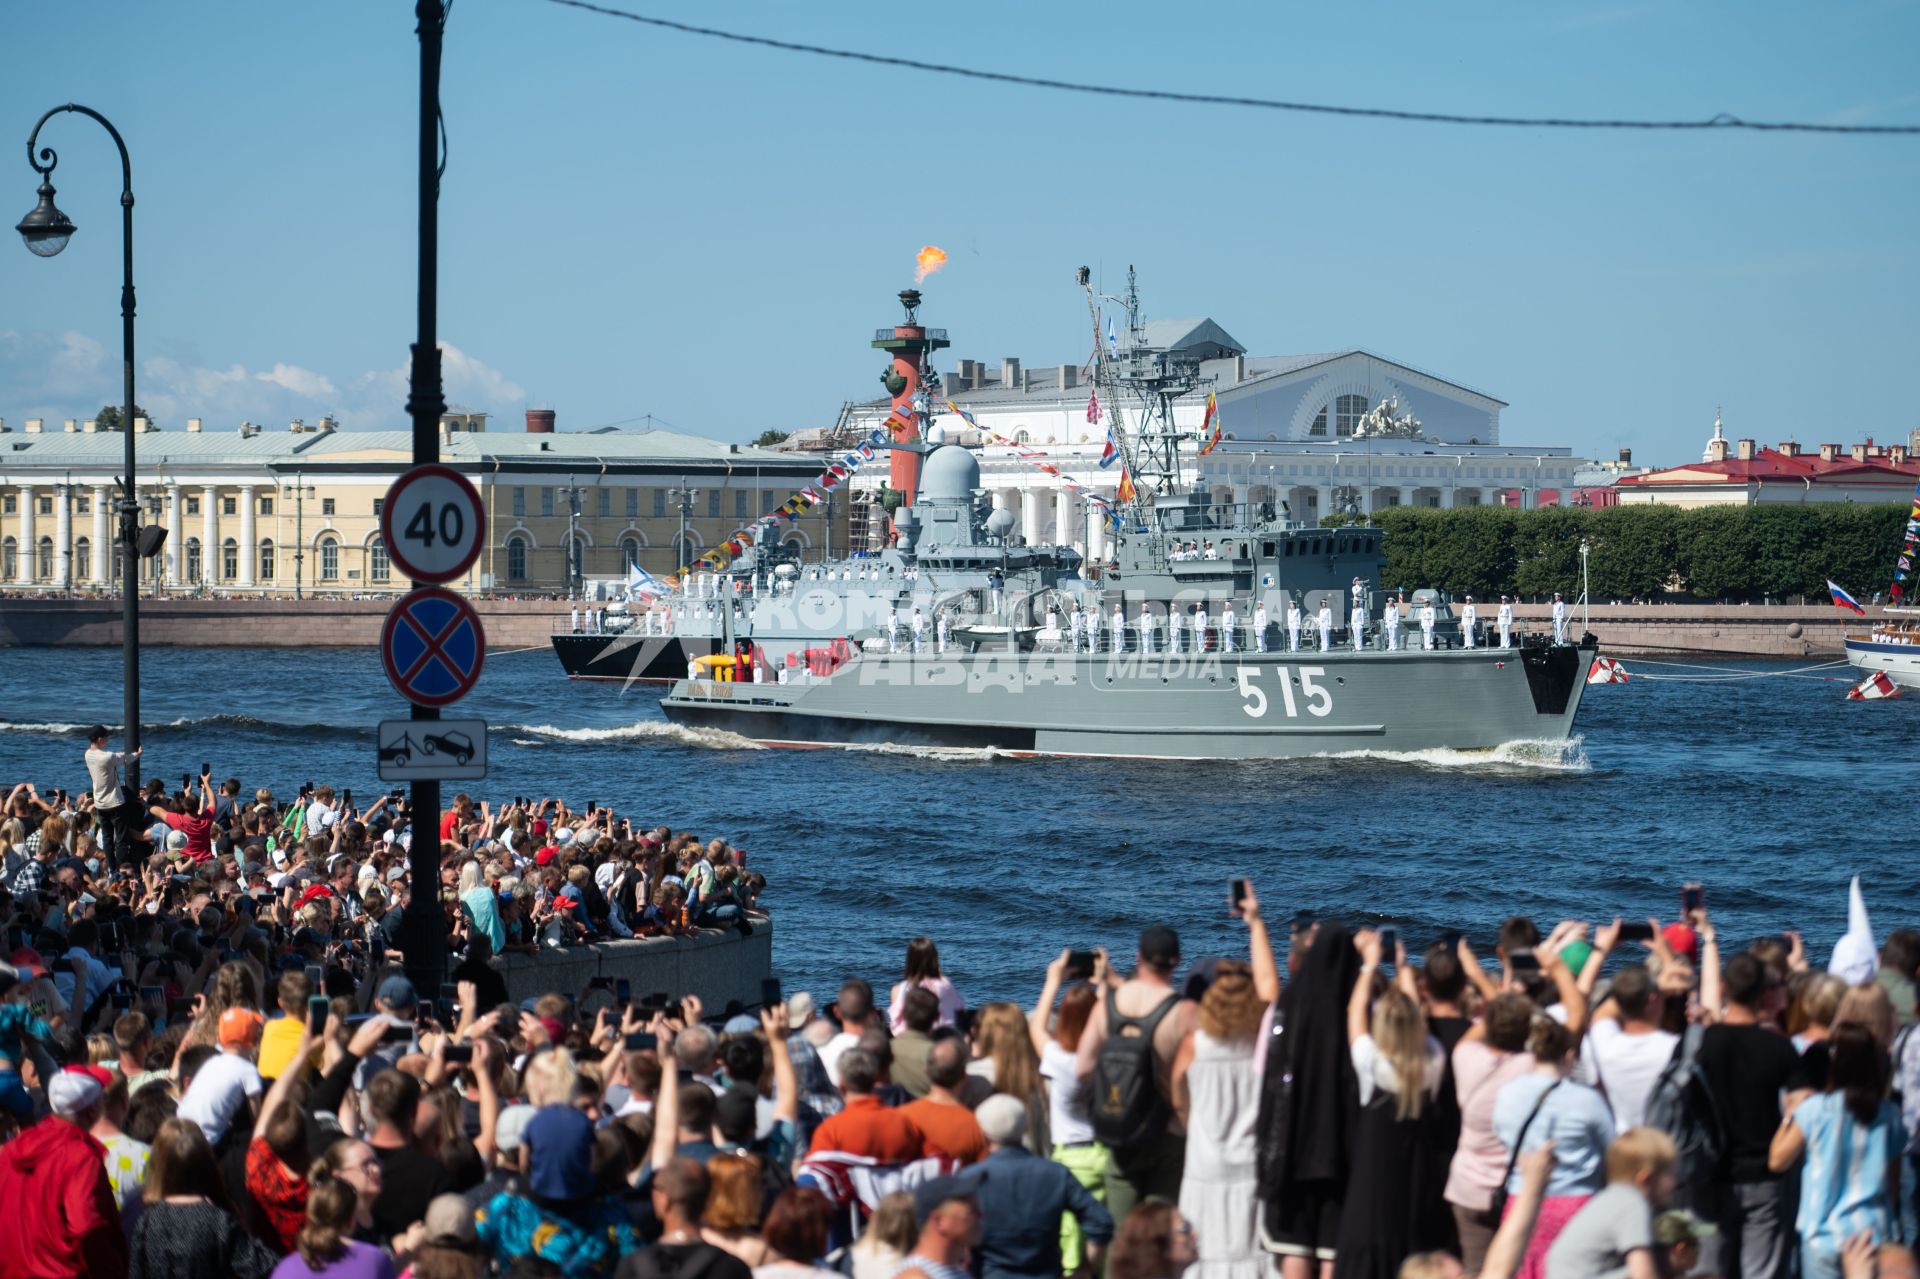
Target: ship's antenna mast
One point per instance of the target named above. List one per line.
(1103, 371)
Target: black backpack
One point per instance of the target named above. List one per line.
(1128, 1108)
(1682, 1105)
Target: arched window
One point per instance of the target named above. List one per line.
(1347, 412)
(1319, 426)
(229, 560)
(9, 559)
(329, 559)
(193, 560)
(82, 560)
(1021, 437)
(266, 562)
(44, 553)
(629, 551)
(516, 559)
(379, 563)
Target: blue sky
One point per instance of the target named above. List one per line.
(637, 222)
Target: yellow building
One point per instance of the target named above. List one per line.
(254, 511)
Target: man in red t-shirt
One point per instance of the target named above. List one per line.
(196, 822)
(457, 816)
(865, 1126)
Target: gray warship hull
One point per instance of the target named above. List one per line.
(1163, 706)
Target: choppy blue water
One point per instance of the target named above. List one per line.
(1770, 790)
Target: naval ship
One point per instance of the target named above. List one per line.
(1147, 666)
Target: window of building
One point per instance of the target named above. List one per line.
(603, 501)
(740, 504)
(1319, 426)
(44, 552)
(326, 506)
(82, 560)
(379, 563)
(329, 559)
(516, 559)
(230, 560)
(546, 501)
(520, 502)
(379, 505)
(713, 503)
(1347, 412)
(46, 506)
(266, 562)
(229, 506)
(266, 506)
(9, 558)
(8, 504)
(629, 551)
(659, 503)
(192, 573)
(633, 503)
(83, 505)
(193, 506)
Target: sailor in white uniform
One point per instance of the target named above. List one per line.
(1260, 628)
(893, 630)
(1175, 629)
(1390, 621)
(1357, 626)
(1426, 624)
(1119, 629)
(1469, 620)
(1146, 629)
(1326, 627)
(574, 625)
(1093, 629)
(1227, 624)
(1505, 617)
(1075, 624)
(1212, 553)
(1053, 618)
(919, 630)
(1358, 593)
(1559, 619)
(1200, 627)
(942, 632)
(1293, 626)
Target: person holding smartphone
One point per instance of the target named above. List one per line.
(1626, 1047)
(193, 818)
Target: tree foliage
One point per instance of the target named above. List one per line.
(769, 437)
(108, 418)
(1640, 552)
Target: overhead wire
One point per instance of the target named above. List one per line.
(1724, 121)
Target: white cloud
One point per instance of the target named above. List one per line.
(61, 375)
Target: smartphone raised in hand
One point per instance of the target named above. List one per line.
(1524, 963)
(458, 1054)
(1236, 894)
(1693, 896)
(1633, 930)
(770, 996)
(642, 1041)
(1389, 944)
(1079, 965)
(319, 1007)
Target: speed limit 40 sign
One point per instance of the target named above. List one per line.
(433, 523)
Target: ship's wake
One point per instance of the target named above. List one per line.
(712, 739)
(1525, 755)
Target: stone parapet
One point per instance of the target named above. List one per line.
(718, 966)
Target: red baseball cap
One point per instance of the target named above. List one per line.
(28, 960)
(544, 857)
(99, 1074)
(1682, 939)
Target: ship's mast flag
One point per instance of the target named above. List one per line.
(1843, 600)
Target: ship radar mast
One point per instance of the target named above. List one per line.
(1151, 380)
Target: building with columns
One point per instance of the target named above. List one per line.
(254, 511)
(1296, 431)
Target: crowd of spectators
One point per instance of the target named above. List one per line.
(213, 1063)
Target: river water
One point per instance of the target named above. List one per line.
(1771, 790)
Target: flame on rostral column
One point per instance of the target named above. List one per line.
(927, 261)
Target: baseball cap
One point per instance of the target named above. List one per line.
(545, 857)
(176, 841)
(1682, 939)
(28, 961)
(397, 992)
(564, 835)
(70, 1092)
(559, 1141)
(510, 1131)
(239, 1027)
(449, 1223)
(799, 1009)
(1160, 946)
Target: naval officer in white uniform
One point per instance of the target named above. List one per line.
(1426, 624)
(1505, 619)
(1326, 626)
(1390, 621)
(893, 629)
(1175, 629)
(1227, 624)
(942, 632)
(1260, 627)
(1293, 625)
(1119, 629)
(919, 625)
(1468, 620)
(1076, 623)
(1559, 619)
(1146, 629)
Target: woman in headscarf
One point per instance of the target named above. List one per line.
(1309, 1108)
(478, 901)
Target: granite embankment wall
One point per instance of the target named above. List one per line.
(1769, 630)
(717, 966)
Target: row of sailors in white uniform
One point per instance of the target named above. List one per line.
(1194, 551)
(1085, 626)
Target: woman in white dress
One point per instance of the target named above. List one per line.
(1216, 1092)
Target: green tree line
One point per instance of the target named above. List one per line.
(1715, 552)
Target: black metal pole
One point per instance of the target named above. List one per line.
(426, 935)
(129, 503)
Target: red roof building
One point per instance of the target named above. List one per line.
(1737, 473)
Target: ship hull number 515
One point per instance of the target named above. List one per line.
(1316, 699)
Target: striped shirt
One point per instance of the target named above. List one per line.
(1843, 1183)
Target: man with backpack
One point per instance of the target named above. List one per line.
(1746, 1067)
(1127, 1053)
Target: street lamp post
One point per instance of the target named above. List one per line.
(46, 231)
(574, 570)
(1586, 604)
(683, 500)
(300, 491)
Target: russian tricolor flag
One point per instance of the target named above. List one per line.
(1843, 600)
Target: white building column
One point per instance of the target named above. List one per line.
(1447, 497)
(102, 565)
(1326, 503)
(1063, 504)
(1406, 495)
(249, 553)
(1030, 499)
(174, 549)
(1491, 497)
(1097, 533)
(209, 531)
(63, 536)
(24, 563)
(1366, 498)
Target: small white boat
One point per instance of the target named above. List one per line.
(1892, 646)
